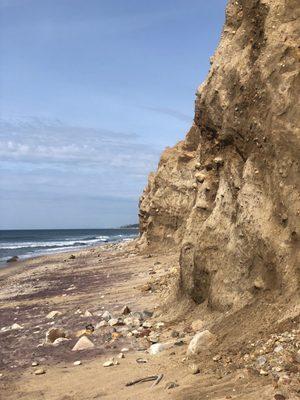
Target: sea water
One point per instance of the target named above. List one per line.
(30, 243)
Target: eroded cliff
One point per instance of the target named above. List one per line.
(229, 194)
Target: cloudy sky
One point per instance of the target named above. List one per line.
(91, 92)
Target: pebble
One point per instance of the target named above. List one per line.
(87, 314)
(126, 310)
(263, 372)
(108, 363)
(197, 325)
(159, 347)
(34, 364)
(121, 355)
(83, 343)
(113, 321)
(171, 385)
(194, 369)
(53, 314)
(106, 316)
(101, 324)
(16, 327)
(125, 350)
(77, 363)
(261, 360)
(39, 371)
(141, 360)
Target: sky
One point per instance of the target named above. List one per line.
(91, 92)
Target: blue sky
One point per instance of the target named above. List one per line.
(91, 92)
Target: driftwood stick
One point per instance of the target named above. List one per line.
(147, 379)
(158, 379)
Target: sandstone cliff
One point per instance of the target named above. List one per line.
(229, 194)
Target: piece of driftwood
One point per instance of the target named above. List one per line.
(156, 378)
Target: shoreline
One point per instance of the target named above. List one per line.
(61, 250)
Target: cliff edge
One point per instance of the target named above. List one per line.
(228, 195)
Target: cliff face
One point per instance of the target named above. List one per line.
(229, 194)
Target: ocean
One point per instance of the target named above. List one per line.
(31, 243)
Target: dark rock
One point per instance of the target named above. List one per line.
(13, 259)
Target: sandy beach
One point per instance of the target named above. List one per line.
(78, 288)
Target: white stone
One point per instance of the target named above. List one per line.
(87, 314)
(113, 321)
(101, 324)
(16, 327)
(106, 316)
(39, 371)
(201, 341)
(83, 343)
(159, 347)
(197, 325)
(108, 363)
(59, 340)
(77, 363)
(53, 314)
(125, 350)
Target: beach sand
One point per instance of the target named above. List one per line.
(99, 279)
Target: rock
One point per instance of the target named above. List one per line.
(39, 371)
(72, 257)
(59, 341)
(200, 177)
(279, 396)
(16, 327)
(278, 349)
(53, 314)
(159, 325)
(113, 321)
(147, 314)
(77, 363)
(259, 283)
(171, 385)
(108, 363)
(194, 369)
(159, 347)
(13, 259)
(197, 325)
(147, 324)
(175, 334)
(132, 321)
(124, 350)
(101, 324)
(261, 361)
(106, 316)
(297, 356)
(154, 337)
(55, 333)
(201, 341)
(126, 310)
(87, 314)
(217, 358)
(83, 343)
(141, 360)
(34, 364)
(263, 372)
(121, 355)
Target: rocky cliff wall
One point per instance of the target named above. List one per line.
(229, 194)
